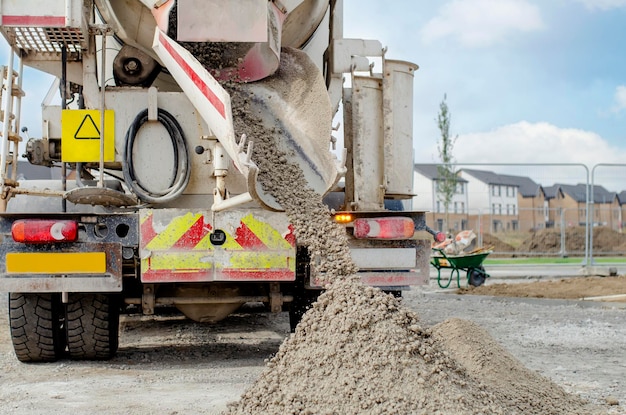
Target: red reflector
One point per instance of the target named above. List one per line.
(440, 237)
(384, 228)
(44, 231)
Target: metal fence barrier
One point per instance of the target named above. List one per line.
(530, 210)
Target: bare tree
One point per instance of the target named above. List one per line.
(447, 178)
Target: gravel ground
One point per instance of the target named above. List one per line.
(169, 365)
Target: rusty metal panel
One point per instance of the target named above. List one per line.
(398, 127)
(222, 21)
(393, 279)
(367, 142)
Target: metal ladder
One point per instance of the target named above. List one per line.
(10, 104)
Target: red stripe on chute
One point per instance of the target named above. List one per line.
(195, 78)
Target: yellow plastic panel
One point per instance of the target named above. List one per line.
(80, 136)
(56, 263)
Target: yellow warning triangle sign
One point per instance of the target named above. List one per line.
(87, 129)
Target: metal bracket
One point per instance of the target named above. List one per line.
(99, 29)
(148, 299)
(276, 298)
(153, 108)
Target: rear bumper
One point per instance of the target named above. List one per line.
(390, 267)
(79, 267)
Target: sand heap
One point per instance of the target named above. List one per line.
(521, 390)
(360, 351)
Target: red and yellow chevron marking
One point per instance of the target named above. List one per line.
(175, 247)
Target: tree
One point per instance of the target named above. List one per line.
(447, 178)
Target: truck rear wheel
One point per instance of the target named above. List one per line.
(37, 328)
(92, 322)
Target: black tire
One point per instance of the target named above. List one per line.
(37, 330)
(92, 322)
(476, 276)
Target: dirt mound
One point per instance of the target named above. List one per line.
(602, 288)
(605, 240)
(608, 240)
(549, 241)
(498, 245)
(521, 390)
(359, 351)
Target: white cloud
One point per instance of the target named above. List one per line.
(602, 4)
(480, 23)
(620, 99)
(539, 144)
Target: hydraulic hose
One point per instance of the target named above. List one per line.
(182, 162)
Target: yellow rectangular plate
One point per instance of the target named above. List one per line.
(56, 263)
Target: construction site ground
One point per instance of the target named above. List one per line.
(170, 365)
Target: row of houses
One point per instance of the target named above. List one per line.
(500, 202)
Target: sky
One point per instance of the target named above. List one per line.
(526, 81)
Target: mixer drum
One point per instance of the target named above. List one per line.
(234, 40)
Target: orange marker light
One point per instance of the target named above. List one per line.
(343, 218)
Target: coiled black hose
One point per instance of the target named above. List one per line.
(182, 162)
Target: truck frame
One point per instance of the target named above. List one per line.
(153, 201)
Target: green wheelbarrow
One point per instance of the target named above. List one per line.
(471, 264)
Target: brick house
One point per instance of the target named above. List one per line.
(494, 197)
(567, 205)
(606, 208)
(554, 196)
(426, 185)
(531, 202)
(490, 202)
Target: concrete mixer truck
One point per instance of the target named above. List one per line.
(153, 199)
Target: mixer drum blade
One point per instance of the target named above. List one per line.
(293, 104)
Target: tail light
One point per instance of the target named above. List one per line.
(343, 218)
(384, 228)
(44, 231)
(440, 237)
